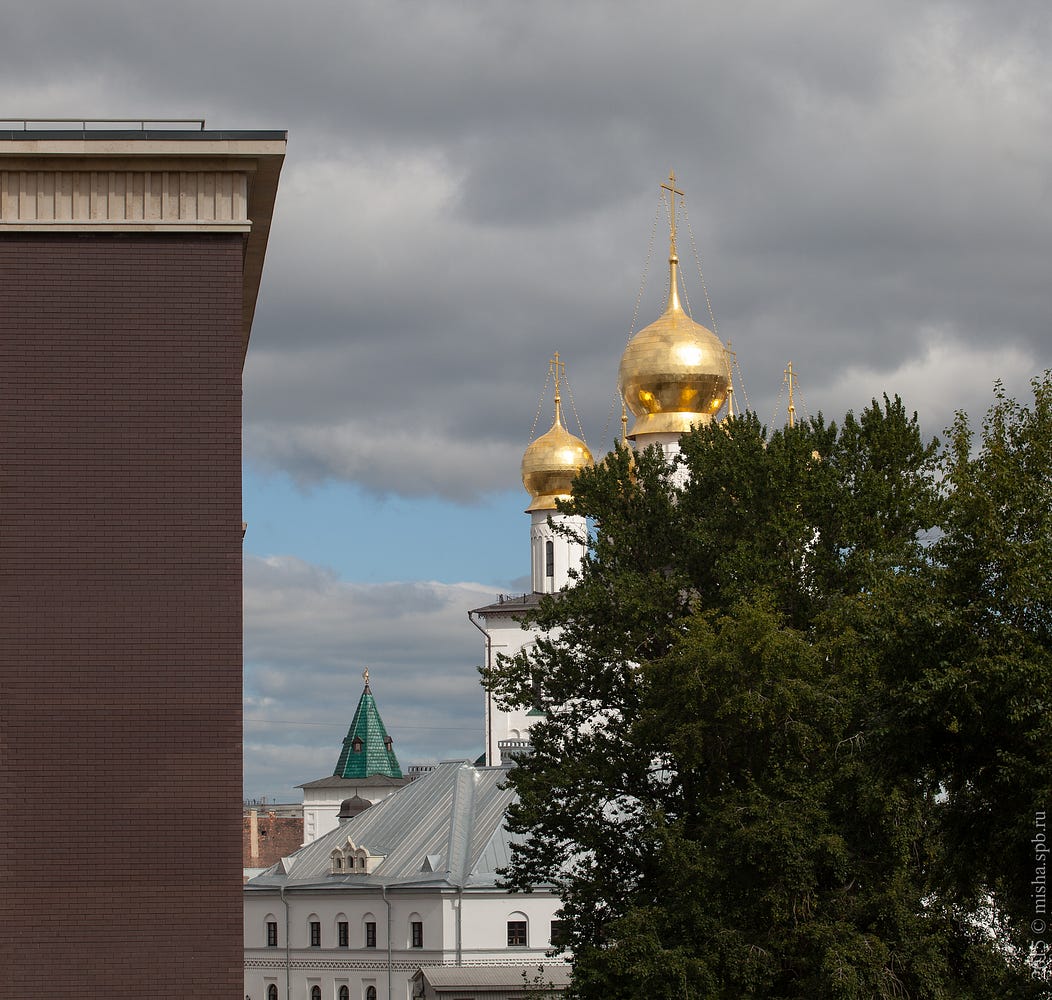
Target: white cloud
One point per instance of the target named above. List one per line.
(946, 375)
(309, 635)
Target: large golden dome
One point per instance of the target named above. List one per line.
(674, 372)
(551, 462)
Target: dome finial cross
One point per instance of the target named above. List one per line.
(557, 368)
(673, 191)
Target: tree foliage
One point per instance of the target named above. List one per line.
(796, 725)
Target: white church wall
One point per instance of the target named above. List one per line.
(550, 569)
(485, 924)
(484, 917)
(507, 637)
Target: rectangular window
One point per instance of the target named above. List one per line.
(417, 934)
(516, 933)
(272, 934)
(343, 937)
(315, 934)
(549, 559)
(370, 934)
(558, 938)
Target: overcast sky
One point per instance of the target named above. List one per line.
(472, 186)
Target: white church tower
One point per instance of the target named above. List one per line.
(674, 375)
(558, 543)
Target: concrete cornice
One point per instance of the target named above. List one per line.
(145, 182)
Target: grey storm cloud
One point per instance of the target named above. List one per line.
(470, 187)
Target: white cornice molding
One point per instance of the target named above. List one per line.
(50, 200)
(140, 183)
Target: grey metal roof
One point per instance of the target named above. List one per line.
(509, 605)
(444, 829)
(493, 976)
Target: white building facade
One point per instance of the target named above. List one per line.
(409, 882)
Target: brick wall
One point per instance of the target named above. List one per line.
(120, 615)
(276, 838)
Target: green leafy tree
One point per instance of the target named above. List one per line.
(979, 703)
(774, 732)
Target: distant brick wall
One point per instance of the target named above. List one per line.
(276, 838)
(120, 615)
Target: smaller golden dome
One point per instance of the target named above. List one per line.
(551, 463)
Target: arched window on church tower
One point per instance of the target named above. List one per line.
(549, 558)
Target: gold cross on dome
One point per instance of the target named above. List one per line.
(673, 191)
(557, 368)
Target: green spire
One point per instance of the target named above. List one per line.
(367, 747)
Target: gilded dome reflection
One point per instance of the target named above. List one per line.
(674, 372)
(551, 463)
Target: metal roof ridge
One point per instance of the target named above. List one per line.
(461, 822)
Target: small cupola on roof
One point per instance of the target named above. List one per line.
(674, 372)
(349, 808)
(367, 749)
(551, 462)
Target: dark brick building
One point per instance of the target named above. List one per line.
(129, 267)
(269, 834)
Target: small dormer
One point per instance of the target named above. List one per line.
(353, 859)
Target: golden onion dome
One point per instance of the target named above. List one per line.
(673, 373)
(551, 463)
